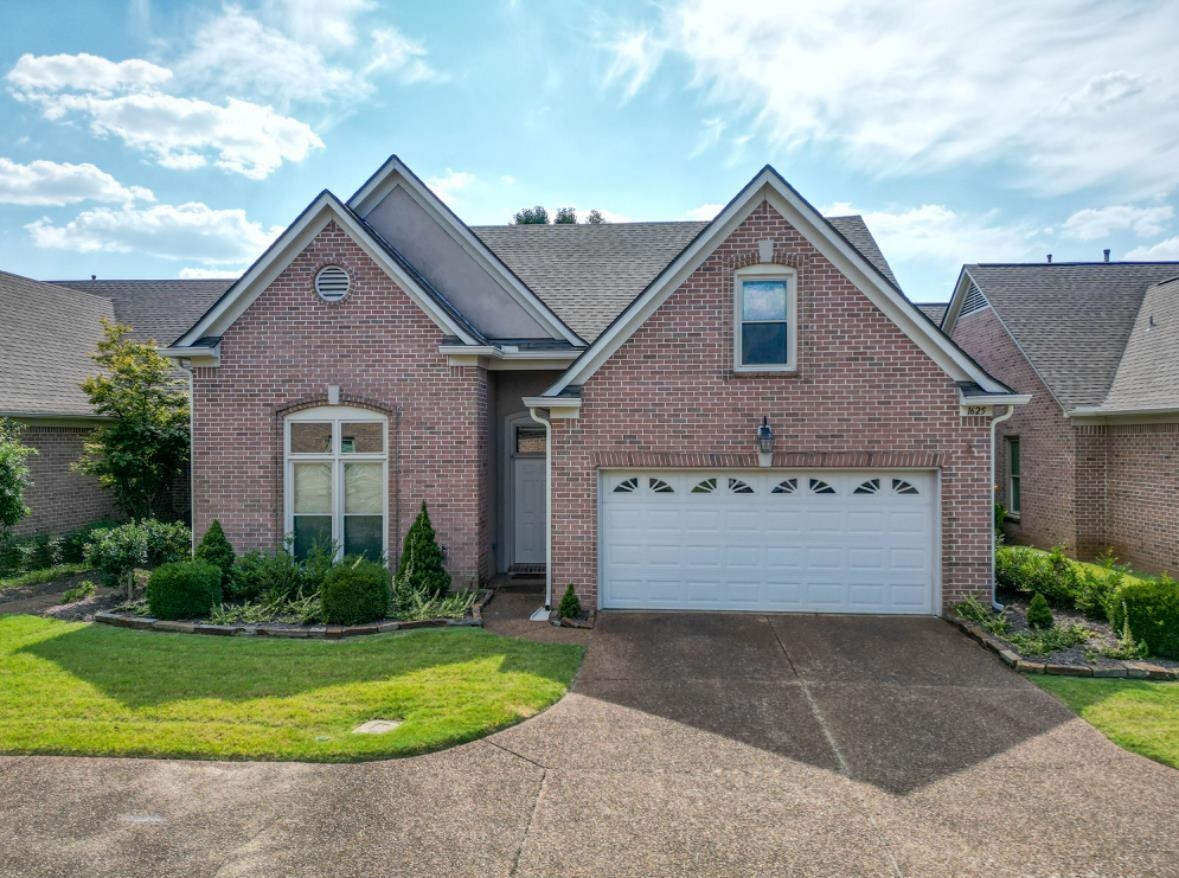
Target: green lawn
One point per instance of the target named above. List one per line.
(1139, 715)
(93, 689)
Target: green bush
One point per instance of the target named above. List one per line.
(216, 549)
(1039, 615)
(1151, 607)
(84, 589)
(570, 606)
(118, 551)
(184, 590)
(278, 575)
(73, 544)
(1090, 588)
(421, 558)
(355, 591)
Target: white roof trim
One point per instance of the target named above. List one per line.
(769, 186)
(290, 244)
(395, 173)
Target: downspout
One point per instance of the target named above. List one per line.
(995, 422)
(542, 614)
(186, 365)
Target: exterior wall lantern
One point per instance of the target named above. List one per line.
(765, 443)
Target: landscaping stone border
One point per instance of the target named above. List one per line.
(1137, 669)
(474, 619)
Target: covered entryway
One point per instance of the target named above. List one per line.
(816, 541)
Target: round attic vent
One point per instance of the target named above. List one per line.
(332, 283)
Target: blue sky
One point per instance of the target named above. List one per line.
(153, 139)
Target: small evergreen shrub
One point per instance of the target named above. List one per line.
(355, 591)
(1151, 607)
(421, 558)
(216, 549)
(184, 590)
(1039, 615)
(570, 606)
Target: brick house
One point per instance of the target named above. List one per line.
(1092, 464)
(50, 331)
(742, 414)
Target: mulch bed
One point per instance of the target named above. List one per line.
(44, 599)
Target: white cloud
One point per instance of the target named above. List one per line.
(41, 75)
(53, 184)
(710, 135)
(191, 231)
(190, 272)
(704, 213)
(449, 184)
(1163, 251)
(1056, 95)
(508, 180)
(1092, 223)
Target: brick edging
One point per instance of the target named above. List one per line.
(315, 632)
(1138, 670)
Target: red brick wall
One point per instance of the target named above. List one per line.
(61, 500)
(1048, 452)
(382, 351)
(1142, 499)
(865, 394)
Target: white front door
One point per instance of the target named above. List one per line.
(528, 525)
(818, 541)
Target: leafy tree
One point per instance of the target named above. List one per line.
(145, 443)
(531, 216)
(595, 218)
(566, 216)
(14, 474)
(216, 549)
(119, 551)
(421, 559)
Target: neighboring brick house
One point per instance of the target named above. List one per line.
(745, 414)
(1092, 464)
(50, 330)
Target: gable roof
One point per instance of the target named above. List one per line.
(1071, 320)
(49, 333)
(1148, 374)
(157, 310)
(769, 186)
(934, 312)
(589, 273)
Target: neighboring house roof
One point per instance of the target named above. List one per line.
(49, 333)
(155, 309)
(932, 311)
(1071, 320)
(589, 273)
(1148, 375)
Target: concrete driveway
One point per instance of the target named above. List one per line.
(691, 745)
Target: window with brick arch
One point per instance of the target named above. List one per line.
(336, 481)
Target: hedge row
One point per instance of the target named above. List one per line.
(1101, 590)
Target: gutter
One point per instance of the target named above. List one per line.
(542, 613)
(995, 422)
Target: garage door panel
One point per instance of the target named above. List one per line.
(800, 551)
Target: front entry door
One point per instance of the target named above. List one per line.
(528, 526)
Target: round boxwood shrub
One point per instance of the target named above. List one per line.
(184, 590)
(1152, 606)
(355, 591)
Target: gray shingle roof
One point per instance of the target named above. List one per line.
(932, 311)
(1148, 376)
(49, 334)
(155, 309)
(589, 273)
(1072, 320)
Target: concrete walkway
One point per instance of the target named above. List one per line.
(691, 745)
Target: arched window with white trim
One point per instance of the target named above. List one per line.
(336, 480)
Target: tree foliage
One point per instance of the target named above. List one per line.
(14, 473)
(421, 559)
(595, 218)
(566, 216)
(144, 444)
(531, 216)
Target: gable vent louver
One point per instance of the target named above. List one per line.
(975, 300)
(332, 283)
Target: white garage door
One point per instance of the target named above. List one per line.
(778, 540)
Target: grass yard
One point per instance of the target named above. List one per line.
(92, 689)
(1139, 715)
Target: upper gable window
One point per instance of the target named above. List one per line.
(766, 321)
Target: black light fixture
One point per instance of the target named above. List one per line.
(765, 443)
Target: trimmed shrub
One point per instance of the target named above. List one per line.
(421, 558)
(167, 541)
(73, 544)
(1152, 609)
(355, 591)
(216, 549)
(1039, 616)
(149, 543)
(184, 590)
(1090, 588)
(570, 606)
